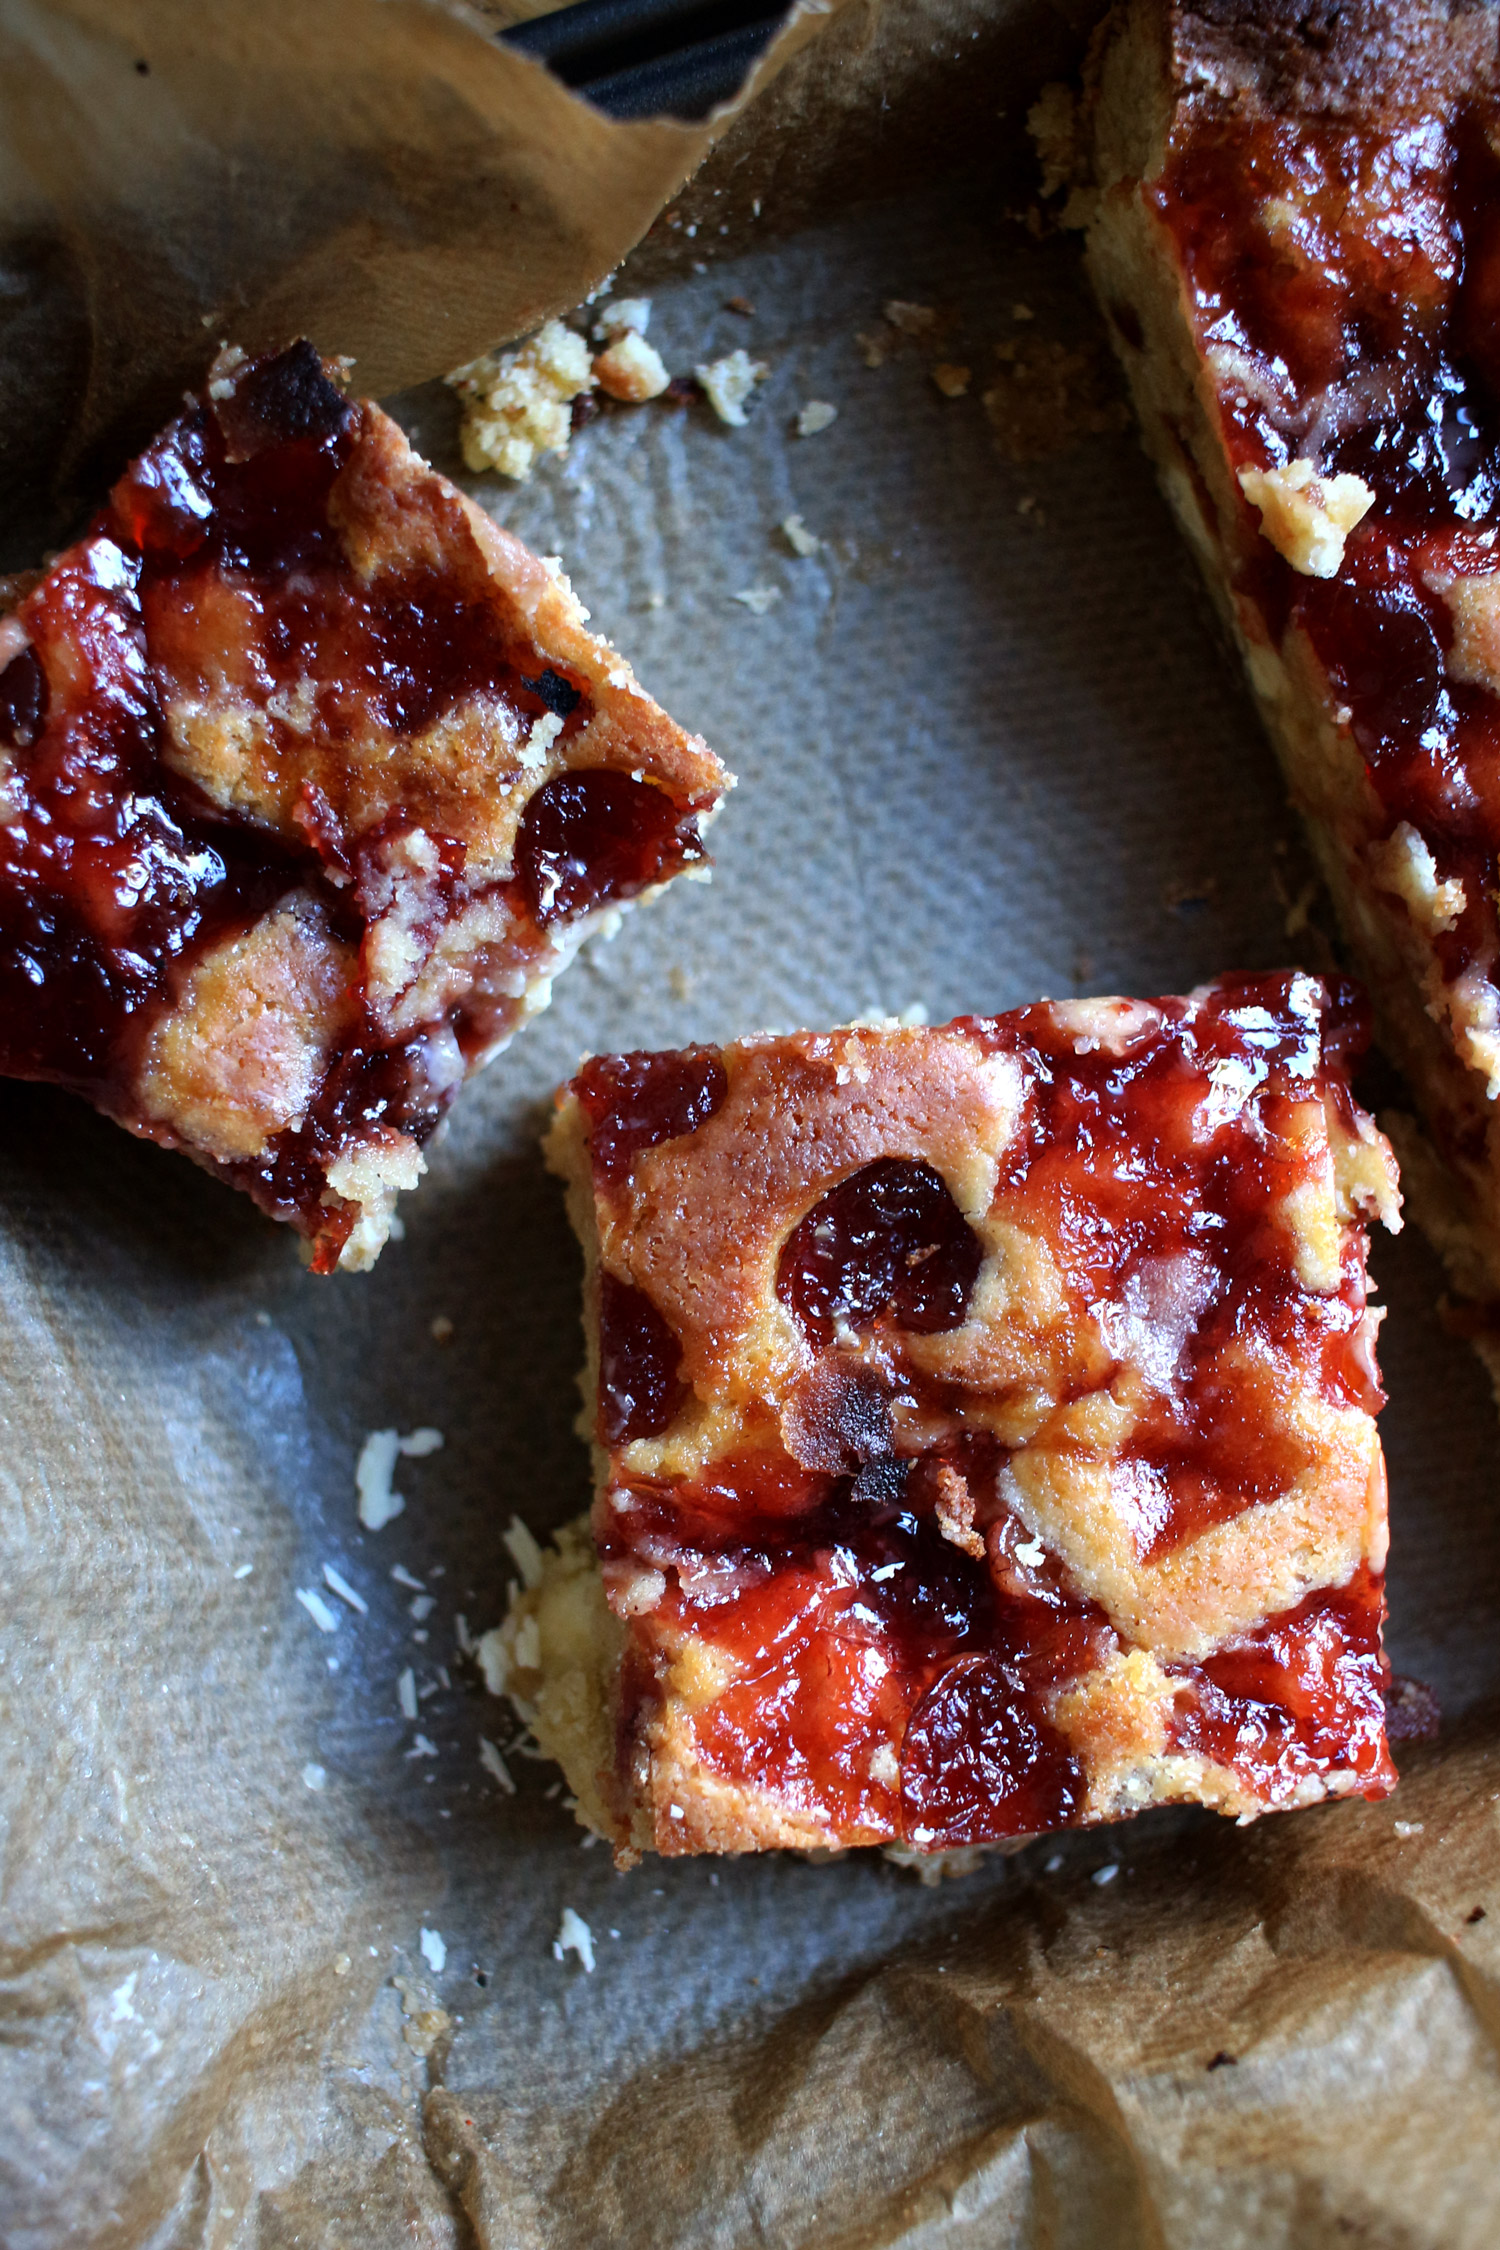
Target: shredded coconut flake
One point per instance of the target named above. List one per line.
(318, 1610)
(315, 1777)
(525, 1553)
(406, 1693)
(574, 1936)
(338, 1584)
(495, 1766)
(434, 1952)
(403, 1577)
(494, 1659)
(798, 537)
(378, 1503)
(423, 1746)
(758, 598)
(244, 1569)
(421, 1606)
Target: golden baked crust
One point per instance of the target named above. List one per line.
(1291, 230)
(983, 1426)
(313, 778)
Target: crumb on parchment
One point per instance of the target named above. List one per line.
(798, 537)
(728, 382)
(631, 370)
(952, 380)
(910, 320)
(620, 317)
(815, 416)
(518, 405)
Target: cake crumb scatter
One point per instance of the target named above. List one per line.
(518, 404)
(952, 380)
(631, 370)
(728, 382)
(622, 316)
(815, 416)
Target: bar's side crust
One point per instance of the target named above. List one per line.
(557, 1654)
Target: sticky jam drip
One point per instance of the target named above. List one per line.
(893, 1640)
(117, 873)
(1346, 284)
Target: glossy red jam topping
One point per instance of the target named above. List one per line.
(890, 1239)
(639, 1391)
(115, 873)
(1344, 284)
(634, 1101)
(893, 1640)
(978, 1761)
(1304, 1692)
(588, 838)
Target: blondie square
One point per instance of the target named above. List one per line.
(984, 1430)
(310, 781)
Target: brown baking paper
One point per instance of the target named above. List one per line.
(381, 175)
(278, 1957)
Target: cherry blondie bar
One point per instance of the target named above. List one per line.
(983, 1425)
(1294, 230)
(310, 780)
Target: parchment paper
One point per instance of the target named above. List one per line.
(988, 747)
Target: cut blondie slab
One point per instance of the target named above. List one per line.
(1295, 237)
(310, 781)
(984, 1429)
